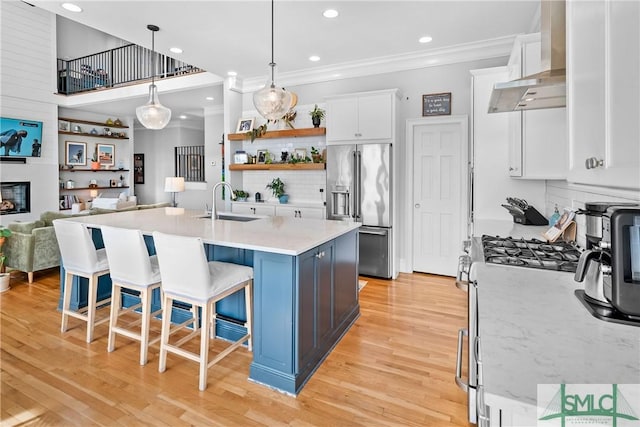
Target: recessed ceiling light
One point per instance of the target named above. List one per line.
(71, 7)
(209, 98)
(425, 39)
(314, 58)
(232, 73)
(330, 13)
(182, 116)
(176, 50)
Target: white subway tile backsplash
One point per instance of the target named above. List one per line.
(301, 186)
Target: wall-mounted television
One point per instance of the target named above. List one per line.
(20, 138)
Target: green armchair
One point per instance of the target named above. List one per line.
(32, 247)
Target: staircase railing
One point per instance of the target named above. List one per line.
(116, 67)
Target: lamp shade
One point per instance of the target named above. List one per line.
(174, 184)
(153, 115)
(93, 193)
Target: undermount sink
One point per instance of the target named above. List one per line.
(228, 216)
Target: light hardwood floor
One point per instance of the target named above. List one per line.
(395, 367)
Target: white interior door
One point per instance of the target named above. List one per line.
(438, 209)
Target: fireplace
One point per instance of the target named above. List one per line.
(15, 198)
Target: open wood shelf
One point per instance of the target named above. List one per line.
(92, 188)
(277, 166)
(93, 135)
(89, 122)
(93, 170)
(287, 133)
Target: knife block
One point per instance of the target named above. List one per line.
(531, 217)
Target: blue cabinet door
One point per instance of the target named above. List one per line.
(324, 283)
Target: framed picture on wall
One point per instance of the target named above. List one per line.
(245, 125)
(106, 154)
(138, 168)
(75, 153)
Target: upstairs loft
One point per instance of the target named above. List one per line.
(117, 67)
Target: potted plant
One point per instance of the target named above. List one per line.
(277, 188)
(315, 155)
(95, 164)
(317, 114)
(4, 277)
(241, 195)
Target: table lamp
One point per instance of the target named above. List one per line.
(173, 185)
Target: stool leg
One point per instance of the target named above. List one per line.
(167, 307)
(116, 306)
(145, 298)
(248, 296)
(66, 300)
(91, 303)
(204, 344)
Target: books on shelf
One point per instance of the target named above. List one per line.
(67, 201)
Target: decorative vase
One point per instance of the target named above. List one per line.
(5, 278)
(315, 121)
(284, 198)
(95, 165)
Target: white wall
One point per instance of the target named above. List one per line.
(75, 40)
(27, 84)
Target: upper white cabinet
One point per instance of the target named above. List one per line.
(603, 92)
(537, 138)
(361, 117)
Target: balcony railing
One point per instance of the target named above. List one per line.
(116, 67)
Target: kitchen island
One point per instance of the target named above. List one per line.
(533, 330)
(305, 293)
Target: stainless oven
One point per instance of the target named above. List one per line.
(478, 412)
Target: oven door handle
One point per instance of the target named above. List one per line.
(464, 265)
(464, 385)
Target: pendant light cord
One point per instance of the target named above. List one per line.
(153, 57)
(272, 64)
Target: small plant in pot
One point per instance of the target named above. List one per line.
(277, 188)
(241, 195)
(4, 277)
(95, 164)
(315, 155)
(317, 114)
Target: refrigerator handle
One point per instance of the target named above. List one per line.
(357, 161)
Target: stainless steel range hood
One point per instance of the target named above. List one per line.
(546, 89)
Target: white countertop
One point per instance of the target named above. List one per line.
(282, 235)
(533, 330)
(508, 228)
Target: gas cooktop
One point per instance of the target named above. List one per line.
(534, 253)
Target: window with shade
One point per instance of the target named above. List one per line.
(190, 162)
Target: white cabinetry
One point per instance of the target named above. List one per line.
(603, 92)
(253, 208)
(537, 138)
(490, 154)
(361, 117)
(300, 212)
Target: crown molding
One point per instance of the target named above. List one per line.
(486, 49)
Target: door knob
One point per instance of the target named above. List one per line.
(417, 205)
(592, 163)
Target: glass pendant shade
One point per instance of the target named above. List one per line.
(272, 102)
(153, 115)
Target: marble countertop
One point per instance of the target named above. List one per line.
(508, 228)
(533, 330)
(282, 235)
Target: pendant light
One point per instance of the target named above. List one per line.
(153, 115)
(272, 102)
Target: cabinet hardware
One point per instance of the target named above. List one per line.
(592, 163)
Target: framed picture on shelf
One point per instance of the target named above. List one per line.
(106, 154)
(300, 153)
(262, 156)
(75, 153)
(245, 125)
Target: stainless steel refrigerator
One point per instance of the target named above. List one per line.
(359, 188)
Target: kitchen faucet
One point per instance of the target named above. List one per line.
(214, 211)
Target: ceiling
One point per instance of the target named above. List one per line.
(222, 36)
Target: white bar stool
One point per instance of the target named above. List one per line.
(188, 277)
(131, 268)
(80, 258)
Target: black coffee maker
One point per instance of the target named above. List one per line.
(612, 293)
